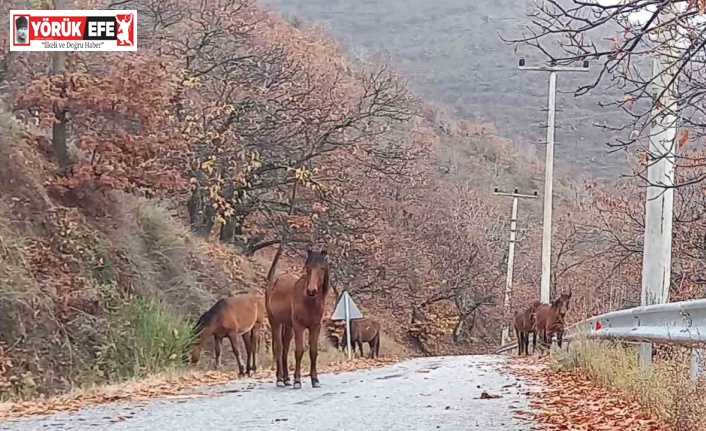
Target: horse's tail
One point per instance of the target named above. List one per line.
(206, 318)
(267, 294)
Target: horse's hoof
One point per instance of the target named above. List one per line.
(315, 384)
(297, 385)
(287, 383)
(280, 384)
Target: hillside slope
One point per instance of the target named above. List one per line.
(452, 51)
(68, 278)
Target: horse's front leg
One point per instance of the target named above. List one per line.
(314, 352)
(247, 341)
(519, 341)
(548, 339)
(233, 337)
(545, 337)
(298, 353)
(217, 347)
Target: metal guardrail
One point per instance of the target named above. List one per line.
(682, 323)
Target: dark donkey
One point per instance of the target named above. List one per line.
(550, 320)
(293, 305)
(524, 325)
(365, 330)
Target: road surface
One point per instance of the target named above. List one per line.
(439, 393)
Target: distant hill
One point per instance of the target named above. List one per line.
(451, 51)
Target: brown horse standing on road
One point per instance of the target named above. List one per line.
(524, 325)
(293, 305)
(365, 330)
(550, 320)
(230, 317)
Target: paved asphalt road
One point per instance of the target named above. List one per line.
(439, 393)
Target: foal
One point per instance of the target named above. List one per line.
(365, 330)
(293, 305)
(524, 325)
(550, 320)
(230, 317)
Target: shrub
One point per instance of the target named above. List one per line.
(148, 339)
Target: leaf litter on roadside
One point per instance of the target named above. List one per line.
(180, 387)
(569, 400)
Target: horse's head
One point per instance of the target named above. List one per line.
(316, 267)
(561, 304)
(532, 310)
(195, 352)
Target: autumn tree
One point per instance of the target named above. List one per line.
(266, 107)
(120, 121)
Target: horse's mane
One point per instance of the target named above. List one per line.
(206, 318)
(316, 257)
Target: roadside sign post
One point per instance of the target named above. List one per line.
(348, 325)
(346, 310)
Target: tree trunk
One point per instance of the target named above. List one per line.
(457, 331)
(201, 215)
(59, 129)
(233, 227)
(258, 245)
(5, 70)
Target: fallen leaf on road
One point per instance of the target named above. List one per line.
(486, 396)
(569, 400)
(179, 387)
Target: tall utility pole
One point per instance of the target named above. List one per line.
(511, 255)
(656, 260)
(544, 293)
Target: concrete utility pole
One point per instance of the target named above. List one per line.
(659, 205)
(511, 255)
(544, 293)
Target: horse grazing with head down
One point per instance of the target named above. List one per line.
(550, 320)
(294, 304)
(365, 330)
(230, 317)
(524, 325)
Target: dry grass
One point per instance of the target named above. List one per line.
(667, 393)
